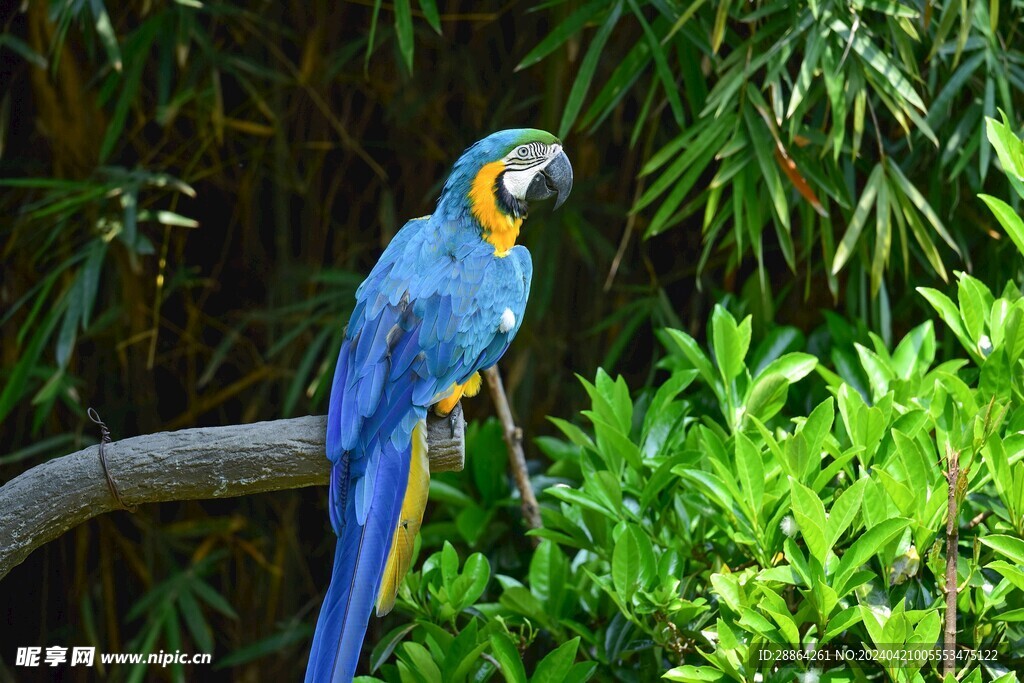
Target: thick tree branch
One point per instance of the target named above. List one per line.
(39, 505)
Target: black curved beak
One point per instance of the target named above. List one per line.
(555, 180)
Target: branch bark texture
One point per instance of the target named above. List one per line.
(513, 436)
(46, 501)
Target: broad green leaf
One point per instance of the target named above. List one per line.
(750, 468)
(950, 315)
(581, 499)
(508, 657)
(1010, 615)
(730, 342)
(710, 484)
(606, 488)
(1008, 218)
(689, 673)
(866, 546)
(915, 351)
(975, 303)
(449, 565)
(844, 509)
(1012, 573)
(419, 659)
(548, 573)
(810, 516)
(574, 433)
(1008, 146)
(626, 566)
(470, 584)
(555, 666)
(386, 645)
(793, 366)
(1007, 546)
(612, 442)
(692, 351)
(521, 601)
(841, 622)
(767, 396)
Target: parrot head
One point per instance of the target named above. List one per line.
(499, 176)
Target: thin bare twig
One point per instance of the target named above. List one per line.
(952, 551)
(514, 440)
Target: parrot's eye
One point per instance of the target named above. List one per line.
(523, 152)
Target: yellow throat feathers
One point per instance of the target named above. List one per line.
(500, 229)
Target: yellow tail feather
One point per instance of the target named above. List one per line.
(408, 522)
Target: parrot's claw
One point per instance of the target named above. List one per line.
(453, 419)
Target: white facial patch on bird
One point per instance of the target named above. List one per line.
(507, 322)
(523, 163)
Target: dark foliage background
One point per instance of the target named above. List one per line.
(192, 192)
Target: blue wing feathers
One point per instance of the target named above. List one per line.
(426, 317)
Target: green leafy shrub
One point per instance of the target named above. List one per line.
(687, 542)
(686, 538)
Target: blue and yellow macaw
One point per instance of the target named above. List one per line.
(443, 302)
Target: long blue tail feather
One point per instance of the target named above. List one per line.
(359, 559)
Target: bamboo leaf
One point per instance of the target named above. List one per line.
(922, 205)
(883, 238)
(619, 83)
(668, 81)
(876, 59)
(105, 30)
(568, 28)
(16, 44)
(430, 13)
(586, 73)
(403, 30)
(815, 45)
(860, 215)
(764, 152)
(374, 16)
